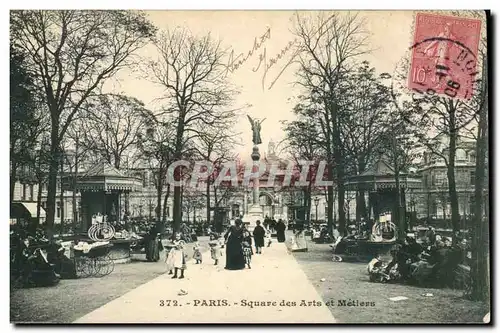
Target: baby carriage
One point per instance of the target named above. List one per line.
(94, 260)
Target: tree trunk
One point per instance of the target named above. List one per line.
(39, 202)
(399, 222)
(159, 196)
(75, 183)
(452, 186)
(117, 160)
(339, 165)
(52, 179)
(480, 277)
(330, 194)
(177, 207)
(13, 175)
(208, 200)
(165, 204)
(360, 205)
(308, 206)
(444, 204)
(61, 194)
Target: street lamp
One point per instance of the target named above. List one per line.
(316, 202)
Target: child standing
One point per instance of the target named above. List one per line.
(177, 258)
(215, 248)
(168, 256)
(197, 253)
(268, 237)
(247, 248)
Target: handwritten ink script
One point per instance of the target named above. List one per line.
(236, 62)
(263, 63)
(267, 65)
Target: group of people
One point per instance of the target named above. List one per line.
(279, 227)
(238, 241)
(239, 249)
(434, 262)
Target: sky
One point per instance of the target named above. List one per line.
(390, 39)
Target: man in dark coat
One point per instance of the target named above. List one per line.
(258, 236)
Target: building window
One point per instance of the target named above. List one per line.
(152, 179)
(32, 194)
(439, 178)
(472, 157)
(471, 205)
(24, 192)
(426, 180)
(58, 209)
(434, 208)
(472, 177)
(461, 155)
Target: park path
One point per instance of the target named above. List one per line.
(275, 279)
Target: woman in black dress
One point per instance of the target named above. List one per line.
(153, 245)
(234, 251)
(280, 231)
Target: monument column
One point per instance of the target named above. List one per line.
(255, 212)
(255, 169)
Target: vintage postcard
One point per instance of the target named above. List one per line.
(249, 167)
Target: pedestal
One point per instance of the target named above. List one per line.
(254, 214)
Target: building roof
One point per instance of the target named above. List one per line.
(103, 169)
(105, 177)
(381, 175)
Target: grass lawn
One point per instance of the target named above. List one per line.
(71, 299)
(349, 281)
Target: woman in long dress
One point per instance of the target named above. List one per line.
(280, 231)
(152, 245)
(234, 251)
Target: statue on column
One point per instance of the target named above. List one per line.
(256, 126)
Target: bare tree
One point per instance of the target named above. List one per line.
(438, 122)
(72, 53)
(112, 126)
(305, 143)
(156, 147)
(328, 42)
(364, 122)
(215, 147)
(191, 70)
(480, 270)
(75, 160)
(27, 123)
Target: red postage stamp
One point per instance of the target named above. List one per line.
(444, 55)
